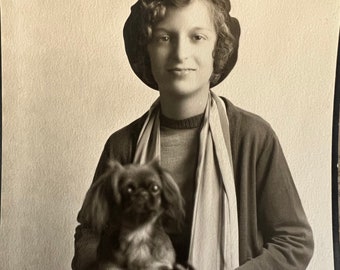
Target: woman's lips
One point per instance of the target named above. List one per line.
(180, 71)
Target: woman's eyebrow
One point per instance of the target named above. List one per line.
(160, 29)
(169, 30)
(203, 29)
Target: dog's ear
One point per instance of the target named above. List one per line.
(172, 199)
(116, 168)
(155, 163)
(95, 210)
(102, 199)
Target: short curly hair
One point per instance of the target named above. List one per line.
(150, 12)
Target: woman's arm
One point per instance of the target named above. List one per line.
(85, 240)
(119, 146)
(287, 235)
(85, 246)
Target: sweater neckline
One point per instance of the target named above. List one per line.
(187, 123)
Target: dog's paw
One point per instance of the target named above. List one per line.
(109, 266)
(181, 267)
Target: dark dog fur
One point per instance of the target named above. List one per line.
(130, 207)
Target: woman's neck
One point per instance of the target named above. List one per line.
(182, 107)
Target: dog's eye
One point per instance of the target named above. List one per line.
(130, 189)
(154, 188)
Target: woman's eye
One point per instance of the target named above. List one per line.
(198, 37)
(164, 38)
(161, 38)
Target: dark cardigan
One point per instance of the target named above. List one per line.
(274, 232)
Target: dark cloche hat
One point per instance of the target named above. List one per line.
(134, 24)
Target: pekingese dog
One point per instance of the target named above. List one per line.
(130, 207)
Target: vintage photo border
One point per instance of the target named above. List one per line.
(336, 167)
(335, 155)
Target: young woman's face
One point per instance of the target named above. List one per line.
(181, 49)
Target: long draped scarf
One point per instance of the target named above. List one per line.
(214, 235)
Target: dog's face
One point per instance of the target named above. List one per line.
(133, 195)
(140, 193)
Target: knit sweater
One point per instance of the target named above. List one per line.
(179, 151)
(273, 229)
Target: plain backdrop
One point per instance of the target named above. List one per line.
(67, 86)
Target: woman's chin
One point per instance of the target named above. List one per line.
(183, 89)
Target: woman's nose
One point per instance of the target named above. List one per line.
(181, 48)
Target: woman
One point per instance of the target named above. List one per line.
(242, 208)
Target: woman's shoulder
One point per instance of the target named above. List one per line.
(247, 124)
(128, 130)
(120, 144)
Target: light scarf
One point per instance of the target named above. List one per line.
(214, 234)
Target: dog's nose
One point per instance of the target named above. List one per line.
(143, 195)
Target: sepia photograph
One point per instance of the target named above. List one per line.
(169, 135)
